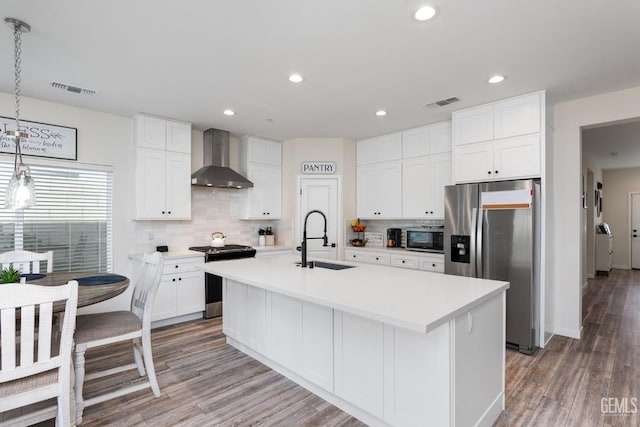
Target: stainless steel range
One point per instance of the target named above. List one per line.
(213, 283)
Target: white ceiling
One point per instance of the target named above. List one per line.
(192, 59)
(613, 147)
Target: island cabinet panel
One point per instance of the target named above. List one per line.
(234, 310)
(284, 317)
(358, 358)
(256, 329)
(317, 345)
(478, 373)
(416, 376)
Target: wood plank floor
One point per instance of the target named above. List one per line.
(564, 384)
(205, 382)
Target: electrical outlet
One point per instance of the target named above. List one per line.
(150, 236)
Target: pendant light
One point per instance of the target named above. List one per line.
(21, 192)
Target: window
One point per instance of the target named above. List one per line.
(72, 218)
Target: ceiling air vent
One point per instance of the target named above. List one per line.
(73, 89)
(442, 102)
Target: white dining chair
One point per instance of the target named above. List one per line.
(34, 367)
(94, 330)
(26, 262)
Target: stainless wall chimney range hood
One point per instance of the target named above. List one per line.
(216, 171)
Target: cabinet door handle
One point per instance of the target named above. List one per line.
(162, 212)
(179, 278)
(403, 261)
(173, 280)
(176, 266)
(496, 172)
(489, 172)
(169, 212)
(377, 259)
(433, 265)
(353, 256)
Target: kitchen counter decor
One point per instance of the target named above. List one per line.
(359, 228)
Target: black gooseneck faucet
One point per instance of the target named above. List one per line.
(305, 238)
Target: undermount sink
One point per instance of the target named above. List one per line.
(328, 265)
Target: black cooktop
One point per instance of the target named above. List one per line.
(225, 252)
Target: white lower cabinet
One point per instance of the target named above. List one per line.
(181, 289)
(359, 361)
(402, 259)
(416, 376)
(367, 257)
(405, 261)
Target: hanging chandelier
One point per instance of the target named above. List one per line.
(21, 192)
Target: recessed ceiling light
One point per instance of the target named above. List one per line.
(295, 78)
(425, 13)
(381, 113)
(613, 154)
(229, 113)
(496, 79)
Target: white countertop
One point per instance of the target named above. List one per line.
(411, 299)
(170, 255)
(265, 248)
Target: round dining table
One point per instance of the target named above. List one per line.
(114, 285)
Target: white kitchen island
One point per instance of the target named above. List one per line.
(389, 346)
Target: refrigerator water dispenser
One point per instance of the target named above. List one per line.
(460, 248)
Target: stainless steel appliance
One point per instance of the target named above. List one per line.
(394, 237)
(426, 239)
(213, 283)
(216, 171)
(492, 231)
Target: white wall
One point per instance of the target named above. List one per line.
(295, 151)
(618, 183)
(569, 118)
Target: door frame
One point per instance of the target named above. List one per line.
(298, 226)
(628, 230)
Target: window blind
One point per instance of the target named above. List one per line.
(72, 217)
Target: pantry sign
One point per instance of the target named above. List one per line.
(44, 140)
(320, 168)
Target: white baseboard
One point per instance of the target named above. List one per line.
(492, 413)
(620, 267)
(584, 286)
(174, 320)
(547, 337)
(568, 332)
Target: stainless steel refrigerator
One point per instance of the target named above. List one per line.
(492, 231)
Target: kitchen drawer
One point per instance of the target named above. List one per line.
(405, 261)
(367, 257)
(180, 265)
(432, 263)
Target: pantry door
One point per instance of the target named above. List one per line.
(323, 194)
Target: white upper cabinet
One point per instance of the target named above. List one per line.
(163, 169)
(260, 150)
(521, 115)
(423, 182)
(260, 162)
(473, 125)
(501, 140)
(162, 134)
(416, 142)
(379, 193)
(412, 187)
(518, 116)
(440, 137)
(379, 149)
(503, 159)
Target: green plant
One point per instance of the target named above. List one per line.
(10, 275)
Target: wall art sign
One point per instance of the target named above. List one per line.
(319, 168)
(44, 140)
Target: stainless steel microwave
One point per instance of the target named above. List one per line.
(428, 239)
